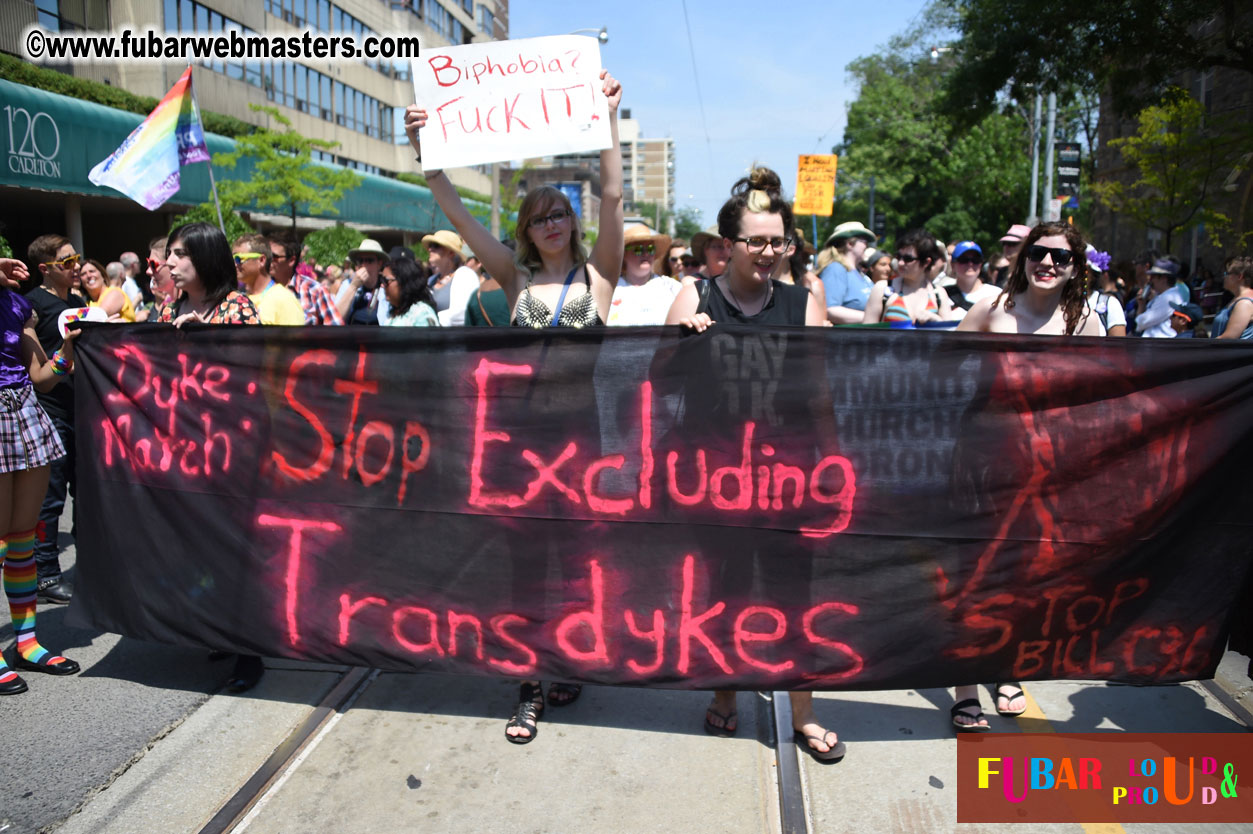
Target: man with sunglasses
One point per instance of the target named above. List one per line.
(642, 297)
(56, 263)
(969, 287)
(275, 303)
(285, 263)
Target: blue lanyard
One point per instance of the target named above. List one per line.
(562, 301)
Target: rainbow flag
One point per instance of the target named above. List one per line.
(145, 166)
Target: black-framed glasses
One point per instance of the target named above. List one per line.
(65, 263)
(384, 280)
(641, 249)
(906, 259)
(1061, 257)
(553, 217)
(759, 244)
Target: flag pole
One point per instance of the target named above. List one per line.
(213, 186)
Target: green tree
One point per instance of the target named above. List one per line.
(1128, 50)
(207, 213)
(687, 222)
(284, 175)
(332, 244)
(1179, 159)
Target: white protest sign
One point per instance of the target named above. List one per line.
(502, 100)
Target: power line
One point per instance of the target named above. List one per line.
(700, 99)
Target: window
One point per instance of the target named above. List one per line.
(486, 21)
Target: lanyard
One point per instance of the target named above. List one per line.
(562, 301)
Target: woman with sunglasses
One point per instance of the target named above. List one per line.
(113, 300)
(970, 288)
(1045, 294)
(642, 297)
(670, 262)
(203, 270)
(754, 226)
(910, 297)
(549, 281)
(30, 444)
(409, 299)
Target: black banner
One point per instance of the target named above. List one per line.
(747, 508)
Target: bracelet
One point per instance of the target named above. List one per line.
(60, 365)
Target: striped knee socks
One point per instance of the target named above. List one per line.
(19, 587)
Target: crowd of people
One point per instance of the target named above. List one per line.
(753, 267)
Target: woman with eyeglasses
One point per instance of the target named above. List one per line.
(642, 297)
(754, 226)
(202, 268)
(910, 298)
(29, 444)
(1045, 294)
(113, 300)
(549, 281)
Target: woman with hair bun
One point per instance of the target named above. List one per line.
(755, 225)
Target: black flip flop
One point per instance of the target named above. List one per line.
(959, 709)
(727, 730)
(1012, 693)
(829, 757)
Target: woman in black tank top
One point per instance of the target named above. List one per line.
(754, 223)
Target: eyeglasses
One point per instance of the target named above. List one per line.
(384, 280)
(155, 265)
(246, 256)
(366, 259)
(1061, 257)
(969, 260)
(275, 256)
(554, 218)
(641, 249)
(759, 244)
(674, 259)
(65, 263)
(906, 259)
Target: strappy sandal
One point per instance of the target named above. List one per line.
(960, 708)
(563, 694)
(526, 716)
(1009, 691)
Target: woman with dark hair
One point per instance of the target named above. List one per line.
(539, 282)
(755, 225)
(910, 297)
(203, 270)
(1236, 319)
(798, 271)
(540, 279)
(404, 281)
(1047, 292)
(670, 262)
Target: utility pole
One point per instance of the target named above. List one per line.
(1032, 214)
(1048, 149)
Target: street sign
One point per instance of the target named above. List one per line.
(880, 224)
(1068, 156)
(815, 184)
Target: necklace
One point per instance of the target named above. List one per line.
(736, 301)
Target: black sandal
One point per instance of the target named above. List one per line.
(526, 716)
(961, 707)
(563, 694)
(1009, 691)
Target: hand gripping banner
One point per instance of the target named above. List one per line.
(748, 508)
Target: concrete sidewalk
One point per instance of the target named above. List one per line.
(426, 753)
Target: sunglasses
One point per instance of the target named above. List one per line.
(907, 259)
(641, 249)
(366, 259)
(246, 256)
(154, 265)
(384, 280)
(969, 260)
(1061, 257)
(66, 262)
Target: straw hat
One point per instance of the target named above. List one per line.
(369, 246)
(850, 229)
(449, 240)
(637, 233)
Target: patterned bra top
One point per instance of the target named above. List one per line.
(897, 310)
(577, 312)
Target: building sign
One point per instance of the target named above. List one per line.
(32, 144)
(1068, 168)
(815, 184)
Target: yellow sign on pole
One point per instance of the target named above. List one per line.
(815, 184)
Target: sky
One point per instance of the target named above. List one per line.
(771, 76)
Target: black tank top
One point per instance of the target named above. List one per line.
(787, 305)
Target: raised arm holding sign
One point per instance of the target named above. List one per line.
(550, 271)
